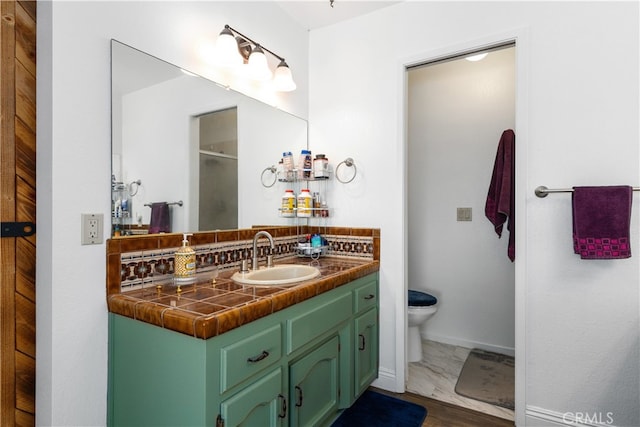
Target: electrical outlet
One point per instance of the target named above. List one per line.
(91, 232)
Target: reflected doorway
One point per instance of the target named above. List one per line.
(218, 182)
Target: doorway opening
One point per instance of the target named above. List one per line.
(457, 111)
(218, 170)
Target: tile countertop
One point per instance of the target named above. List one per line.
(206, 309)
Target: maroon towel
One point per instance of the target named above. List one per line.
(160, 219)
(601, 221)
(500, 205)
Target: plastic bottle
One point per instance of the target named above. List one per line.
(305, 165)
(287, 164)
(304, 203)
(316, 241)
(315, 200)
(324, 209)
(280, 171)
(321, 167)
(288, 204)
(184, 261)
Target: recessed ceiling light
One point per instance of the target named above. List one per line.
(476, 57)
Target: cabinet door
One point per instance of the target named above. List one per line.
(366, 348)
(314, 385)
(260, 404)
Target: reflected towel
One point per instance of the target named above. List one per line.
(601, 221)
(500, 204)
(160, 219)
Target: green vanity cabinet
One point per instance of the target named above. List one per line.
(315, 385)
(366, 335)
(299, 366)
(366, 359)
(259, 404)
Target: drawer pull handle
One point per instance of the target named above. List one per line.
(370, 296)
(362, 344)
(298, 396)
(259, 357)
(283, 407)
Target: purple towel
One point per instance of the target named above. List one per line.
(500, 205)
(160, 219)
(601, 221)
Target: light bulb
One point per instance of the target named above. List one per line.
(258, 66)
(283, 80)
(227, 49)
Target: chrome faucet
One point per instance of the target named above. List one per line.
(254, 263)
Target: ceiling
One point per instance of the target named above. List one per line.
(313, 14)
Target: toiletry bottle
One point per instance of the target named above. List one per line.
(324, 209)
(287, 164)
(280, 171)
(316, 241)
(288, 204)
(184, 261)
(321, 167)
(304, 203)
(304, 165)
(315, 204)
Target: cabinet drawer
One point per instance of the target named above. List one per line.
(246, 357)
(366, 296)
(307, 326)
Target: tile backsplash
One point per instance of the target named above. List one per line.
(141, 261)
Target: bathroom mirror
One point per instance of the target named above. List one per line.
(161, 144)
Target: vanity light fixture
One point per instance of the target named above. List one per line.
(234, 49)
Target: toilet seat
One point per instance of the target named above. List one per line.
(421, 299)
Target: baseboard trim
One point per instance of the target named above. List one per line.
(535, 415)
(387, 381)
(509, 351)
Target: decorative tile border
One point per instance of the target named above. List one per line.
(351, 246)
(149, 267)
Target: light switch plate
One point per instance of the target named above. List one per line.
(464, 214)
(91, 232)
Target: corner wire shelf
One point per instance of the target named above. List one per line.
(271, 180)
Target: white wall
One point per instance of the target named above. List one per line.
(577, 124)
(457, 111)
(74, 170)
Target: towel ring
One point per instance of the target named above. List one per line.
(137, 183)
(273, 170)
(349, 163)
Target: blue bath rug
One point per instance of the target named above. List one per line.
(375, 409)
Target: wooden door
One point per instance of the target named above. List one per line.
(17, 204)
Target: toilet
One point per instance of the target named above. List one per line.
(421, 307)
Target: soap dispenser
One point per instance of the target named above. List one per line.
(184, 261)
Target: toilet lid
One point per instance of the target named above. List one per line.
(421, 299)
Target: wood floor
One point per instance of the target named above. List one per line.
(441, 414)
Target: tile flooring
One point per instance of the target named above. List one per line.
(435, 376)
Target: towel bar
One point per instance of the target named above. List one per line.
(543, 191)
(179, 203)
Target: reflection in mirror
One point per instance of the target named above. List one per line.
(218, 185)
(186, 152)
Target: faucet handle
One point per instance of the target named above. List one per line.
(244, 266)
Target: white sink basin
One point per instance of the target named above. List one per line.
(278, 275)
